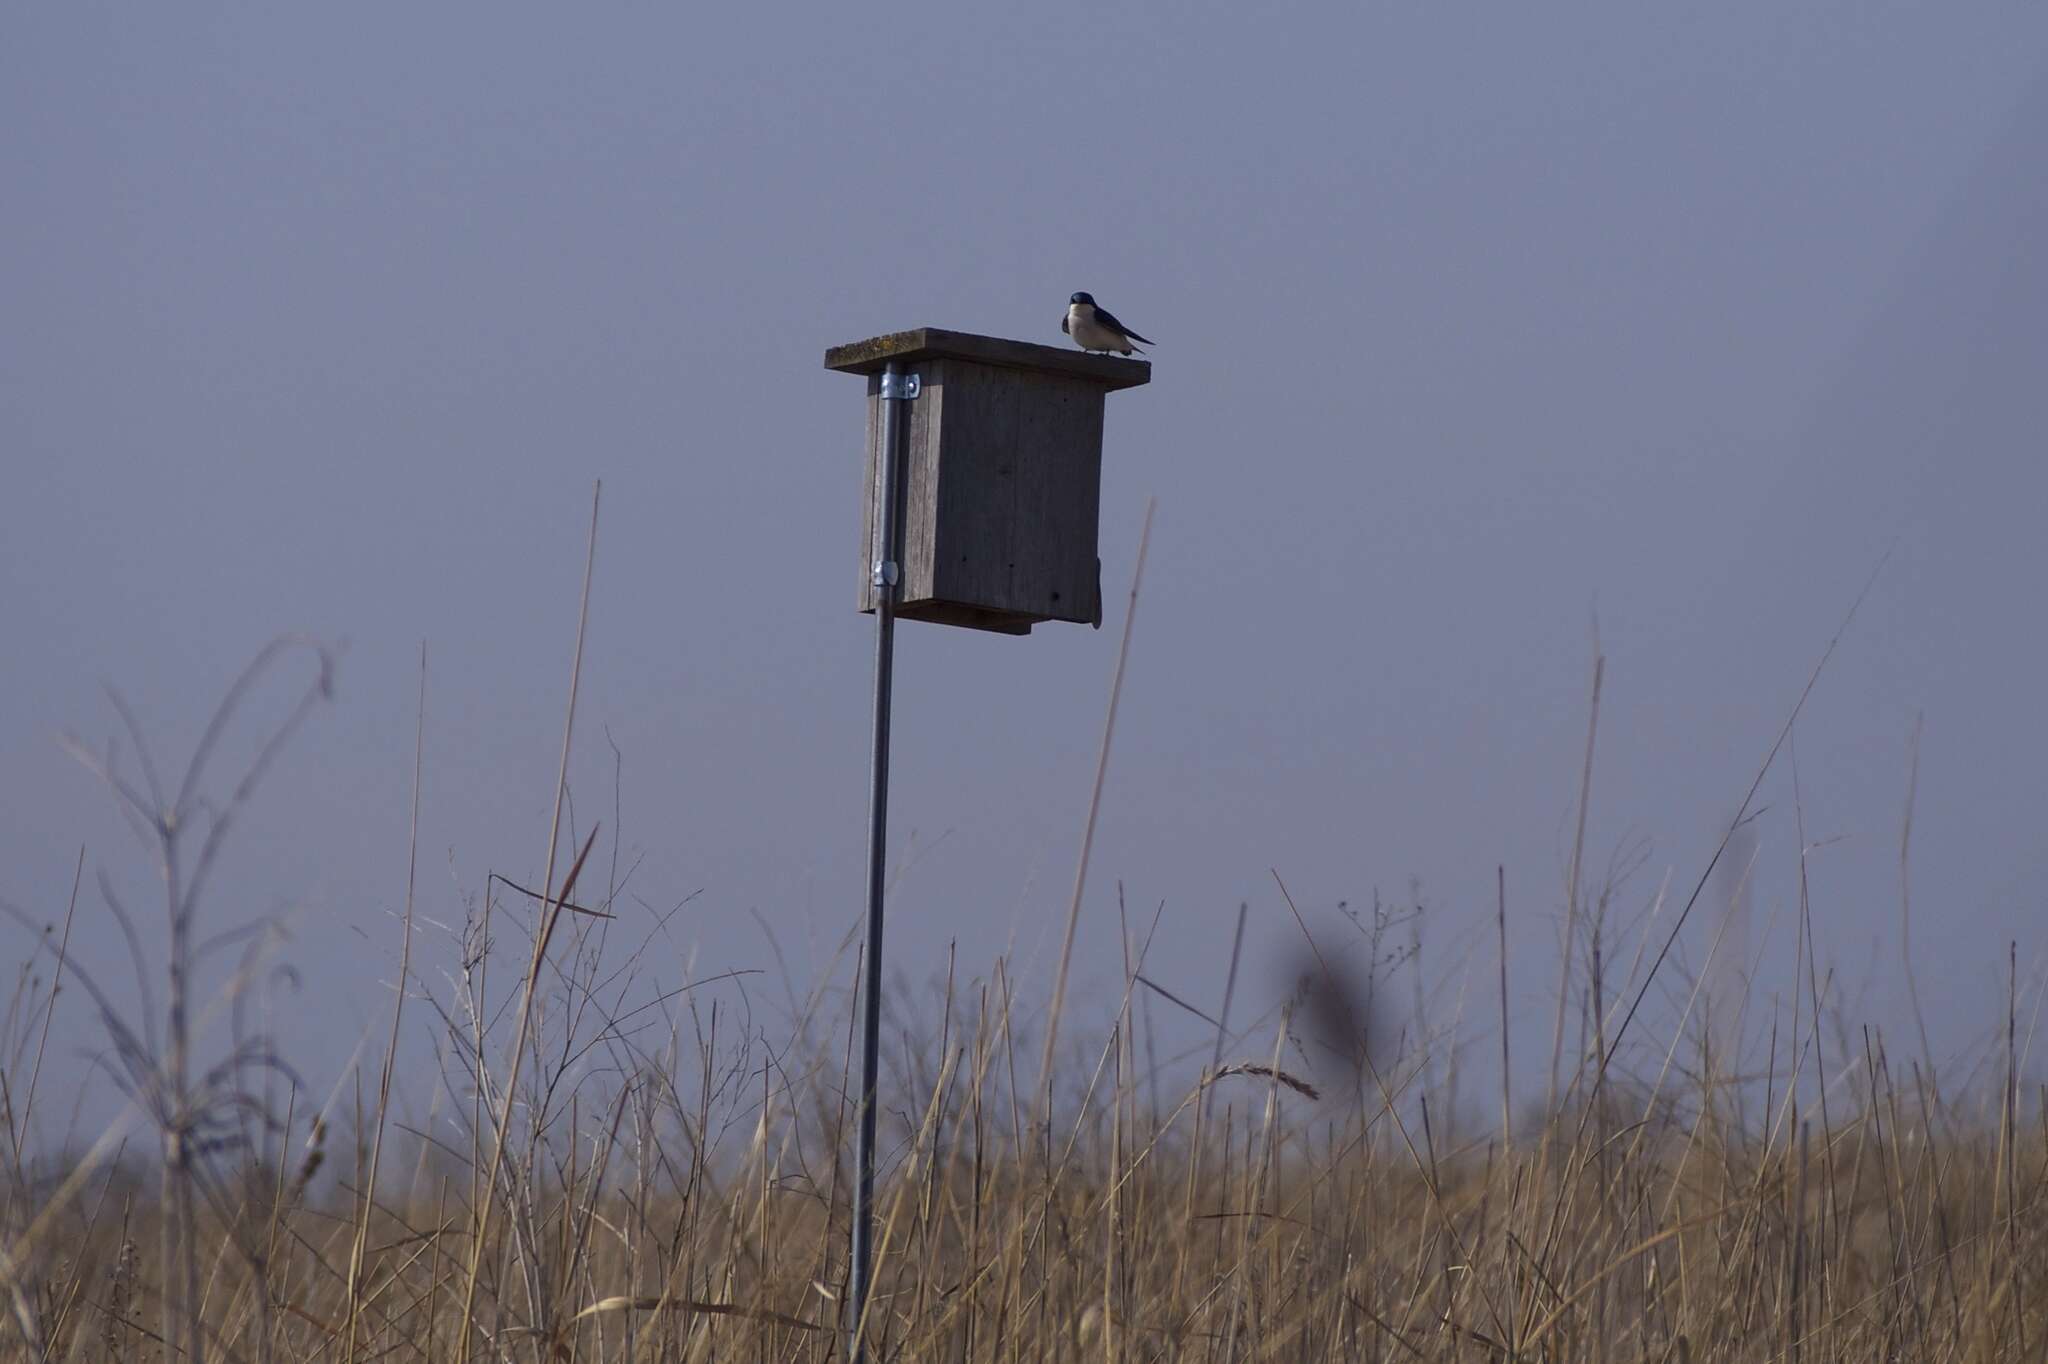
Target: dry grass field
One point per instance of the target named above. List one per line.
(685, 1198)
(620, 1162)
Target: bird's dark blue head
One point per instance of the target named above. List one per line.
(1088, 299)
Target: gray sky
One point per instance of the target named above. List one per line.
(1473, 329)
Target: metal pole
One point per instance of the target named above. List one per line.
(897, 388)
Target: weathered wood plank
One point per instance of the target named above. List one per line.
(871, 493)
(1019, 492)
(867, 357)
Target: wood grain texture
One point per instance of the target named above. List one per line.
(1018, 491)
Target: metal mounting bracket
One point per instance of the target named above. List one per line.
(901, 387)
(885, 574)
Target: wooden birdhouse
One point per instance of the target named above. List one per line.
(1001, 476)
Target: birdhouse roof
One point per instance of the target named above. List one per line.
(920, 343)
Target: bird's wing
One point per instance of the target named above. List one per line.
(1063, 325)
(1108, 319)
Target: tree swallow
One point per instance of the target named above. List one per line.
(1096, 328)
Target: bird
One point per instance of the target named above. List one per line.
(1096, 328)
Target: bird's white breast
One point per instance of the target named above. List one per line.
(1090, 334)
